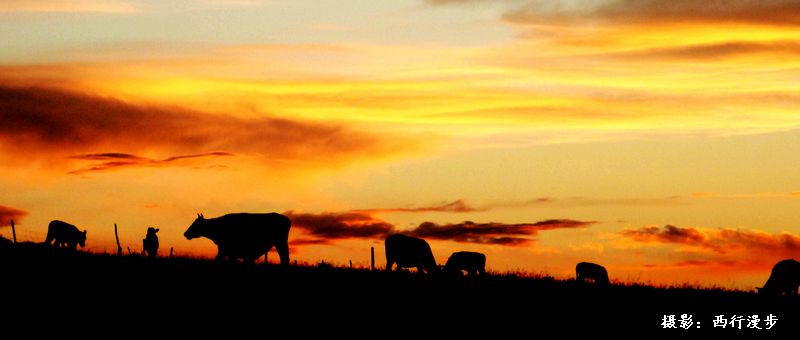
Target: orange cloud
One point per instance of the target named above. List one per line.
(8, 213)
(44, 123)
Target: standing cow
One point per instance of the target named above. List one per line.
(409, 252)
(591, 271)
(784, 279)
(471, 262)
(244, 236)
(150, 242)
(65, 234)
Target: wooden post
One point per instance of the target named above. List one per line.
(13, 231)
(116, 235)
(129, 251)
(170, 252)
(372, 256)
(351, 264)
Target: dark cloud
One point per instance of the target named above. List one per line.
(51, 124)
(721, 240)
(321, 228)
(344, 225)
(8, 213)
(459, 206)
(492, 233)
(770, 12)
(111, 161)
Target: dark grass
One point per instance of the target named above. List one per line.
(198, 295)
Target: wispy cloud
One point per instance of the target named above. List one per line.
(113, 161)
(75, 6)
(324, 227)
(340, 225)
(770, 12)
(493, 233)
(714, 51)
(457, 206)
(722, 241)
(48, 124)
(706, 194)
(8, 213)
(462, 206)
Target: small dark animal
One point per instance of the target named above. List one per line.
(591, 271)
(409, 252)
(244, 236)
(65, 234)
(784, 279)
(150, 242)
(471, 262)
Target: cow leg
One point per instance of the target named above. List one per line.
(283, 252)
(389, 265)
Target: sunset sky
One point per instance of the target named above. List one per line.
(658, 138)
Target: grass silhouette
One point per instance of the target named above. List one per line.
(506, 303)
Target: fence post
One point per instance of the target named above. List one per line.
(372, 258)
(116, 236)
(13, 231)
(170, 252)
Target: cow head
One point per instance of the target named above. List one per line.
(82, 239)
(196, 229)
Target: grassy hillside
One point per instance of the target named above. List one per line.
(130, 290)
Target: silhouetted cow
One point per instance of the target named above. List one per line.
(591, 271)
(244, 236)
(409, 252)
(150, 242)
(65, 234)
(471, 262)
(784, 279)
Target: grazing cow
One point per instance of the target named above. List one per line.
(65, 234)
(244, 236)
(150, 242)
(409, 252)
(471, 262)
(784, 279)
(591, 271)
